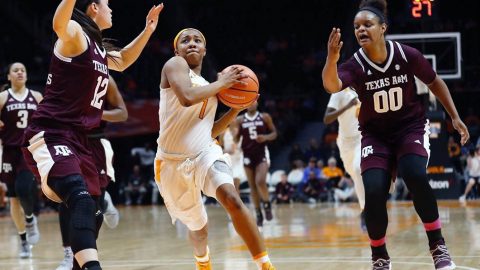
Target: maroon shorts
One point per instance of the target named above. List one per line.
(11, 163)
(384, 151)
(59, 153)
(98, 154)
(252, 159)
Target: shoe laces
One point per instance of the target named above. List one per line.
(381, 264)
(440, 254)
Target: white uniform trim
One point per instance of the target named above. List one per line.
(358, 60)
(109, 158)
(17, 97)
(389, 61)
(426, 139)
(401, 51)
(44, 160)
(60, 56)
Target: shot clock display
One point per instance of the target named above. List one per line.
(422, 9)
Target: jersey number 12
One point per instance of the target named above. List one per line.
(100, 91)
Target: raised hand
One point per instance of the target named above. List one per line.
(334, 44)
(152, 17)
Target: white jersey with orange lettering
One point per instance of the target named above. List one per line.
(185, 130)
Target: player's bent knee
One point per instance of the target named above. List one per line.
(66, 187)
(232, 202)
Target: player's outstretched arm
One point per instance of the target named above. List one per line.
(440, 90)
(222, 124)
(331, 82)
(176, 71)
(125, 57)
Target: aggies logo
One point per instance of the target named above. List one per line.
(62, 150)
(6, 168)
(367, 150)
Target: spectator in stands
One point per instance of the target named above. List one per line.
(310, 168)
(295, 176)
(473, 171)
(296, 153)
(136, 187)
(345, 190)
(332, 173)
(320, 166)
(146, 156)
(283, 190)
(313, 190)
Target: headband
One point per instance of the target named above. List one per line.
(183, 30)
(375, 11)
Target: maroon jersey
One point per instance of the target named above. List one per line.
(16, 115)
(250, 127)
(75, 89)
(388, 92)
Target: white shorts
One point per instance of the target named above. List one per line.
(350, 153)
(181, 182)
(237, 166)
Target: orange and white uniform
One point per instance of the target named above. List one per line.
(186, 154)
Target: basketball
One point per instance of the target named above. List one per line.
(240, 96)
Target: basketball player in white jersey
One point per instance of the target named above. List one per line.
(188, 159)
(344, 106)
(236, 155)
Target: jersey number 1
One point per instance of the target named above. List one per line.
(201, 115)
(100, 91)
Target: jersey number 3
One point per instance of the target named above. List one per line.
(391, 100)
(100, 91)
(23, 121)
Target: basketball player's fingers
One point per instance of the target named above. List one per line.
(340, 45)
(463, 131)
(158, 9)
(240, 82)
(330, 37)
(465, 135)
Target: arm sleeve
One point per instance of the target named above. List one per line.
(420, 66)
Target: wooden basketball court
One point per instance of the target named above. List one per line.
(302, 237)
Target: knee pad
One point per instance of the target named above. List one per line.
(82, 211)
